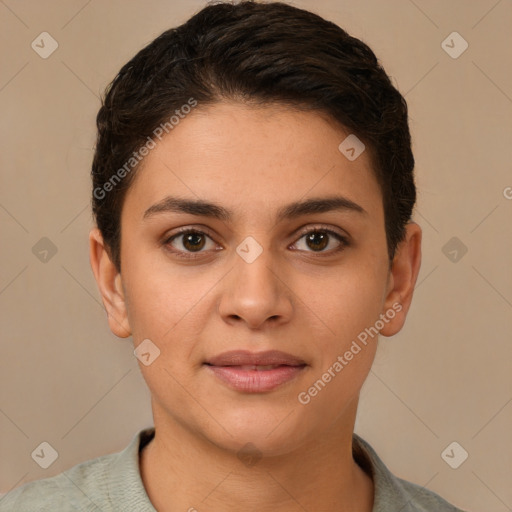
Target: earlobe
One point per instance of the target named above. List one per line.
(402, 280)
(109, 283)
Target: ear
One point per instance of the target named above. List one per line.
(109, 283)
(402, 279)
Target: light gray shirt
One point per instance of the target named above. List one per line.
(113, 483)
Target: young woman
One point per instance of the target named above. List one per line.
(253, 189)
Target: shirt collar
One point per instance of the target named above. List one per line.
(127, 490)
(389, 493)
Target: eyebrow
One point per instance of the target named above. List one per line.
(296, 209)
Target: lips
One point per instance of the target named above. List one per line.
(250, 372)
(270, 358)
(259, 368)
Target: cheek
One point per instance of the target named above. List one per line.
(159, 297)
(347, 305)
(350, 307)
(172, 307)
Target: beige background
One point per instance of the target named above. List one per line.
(67, 380)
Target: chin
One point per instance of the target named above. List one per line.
(266, 431)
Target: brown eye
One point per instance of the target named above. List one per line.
(317, 240)
(193, 241)
(188, 242)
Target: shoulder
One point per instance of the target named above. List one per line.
(107, 483)
(421, 499)
(78, 488)
(393, 493)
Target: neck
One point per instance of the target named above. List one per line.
(183, 471)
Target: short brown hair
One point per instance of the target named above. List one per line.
(260, 53)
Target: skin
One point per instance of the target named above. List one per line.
(304, 299)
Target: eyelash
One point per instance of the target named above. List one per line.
(191, 255)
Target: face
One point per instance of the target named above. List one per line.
(254, 275)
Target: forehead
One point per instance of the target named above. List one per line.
(253, 160)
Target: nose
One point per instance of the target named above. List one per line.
(256, 293)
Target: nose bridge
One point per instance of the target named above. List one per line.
(255, 292)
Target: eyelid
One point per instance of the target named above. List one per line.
(199, 228)
(322, 227)
(307, 228)
(344, 238)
